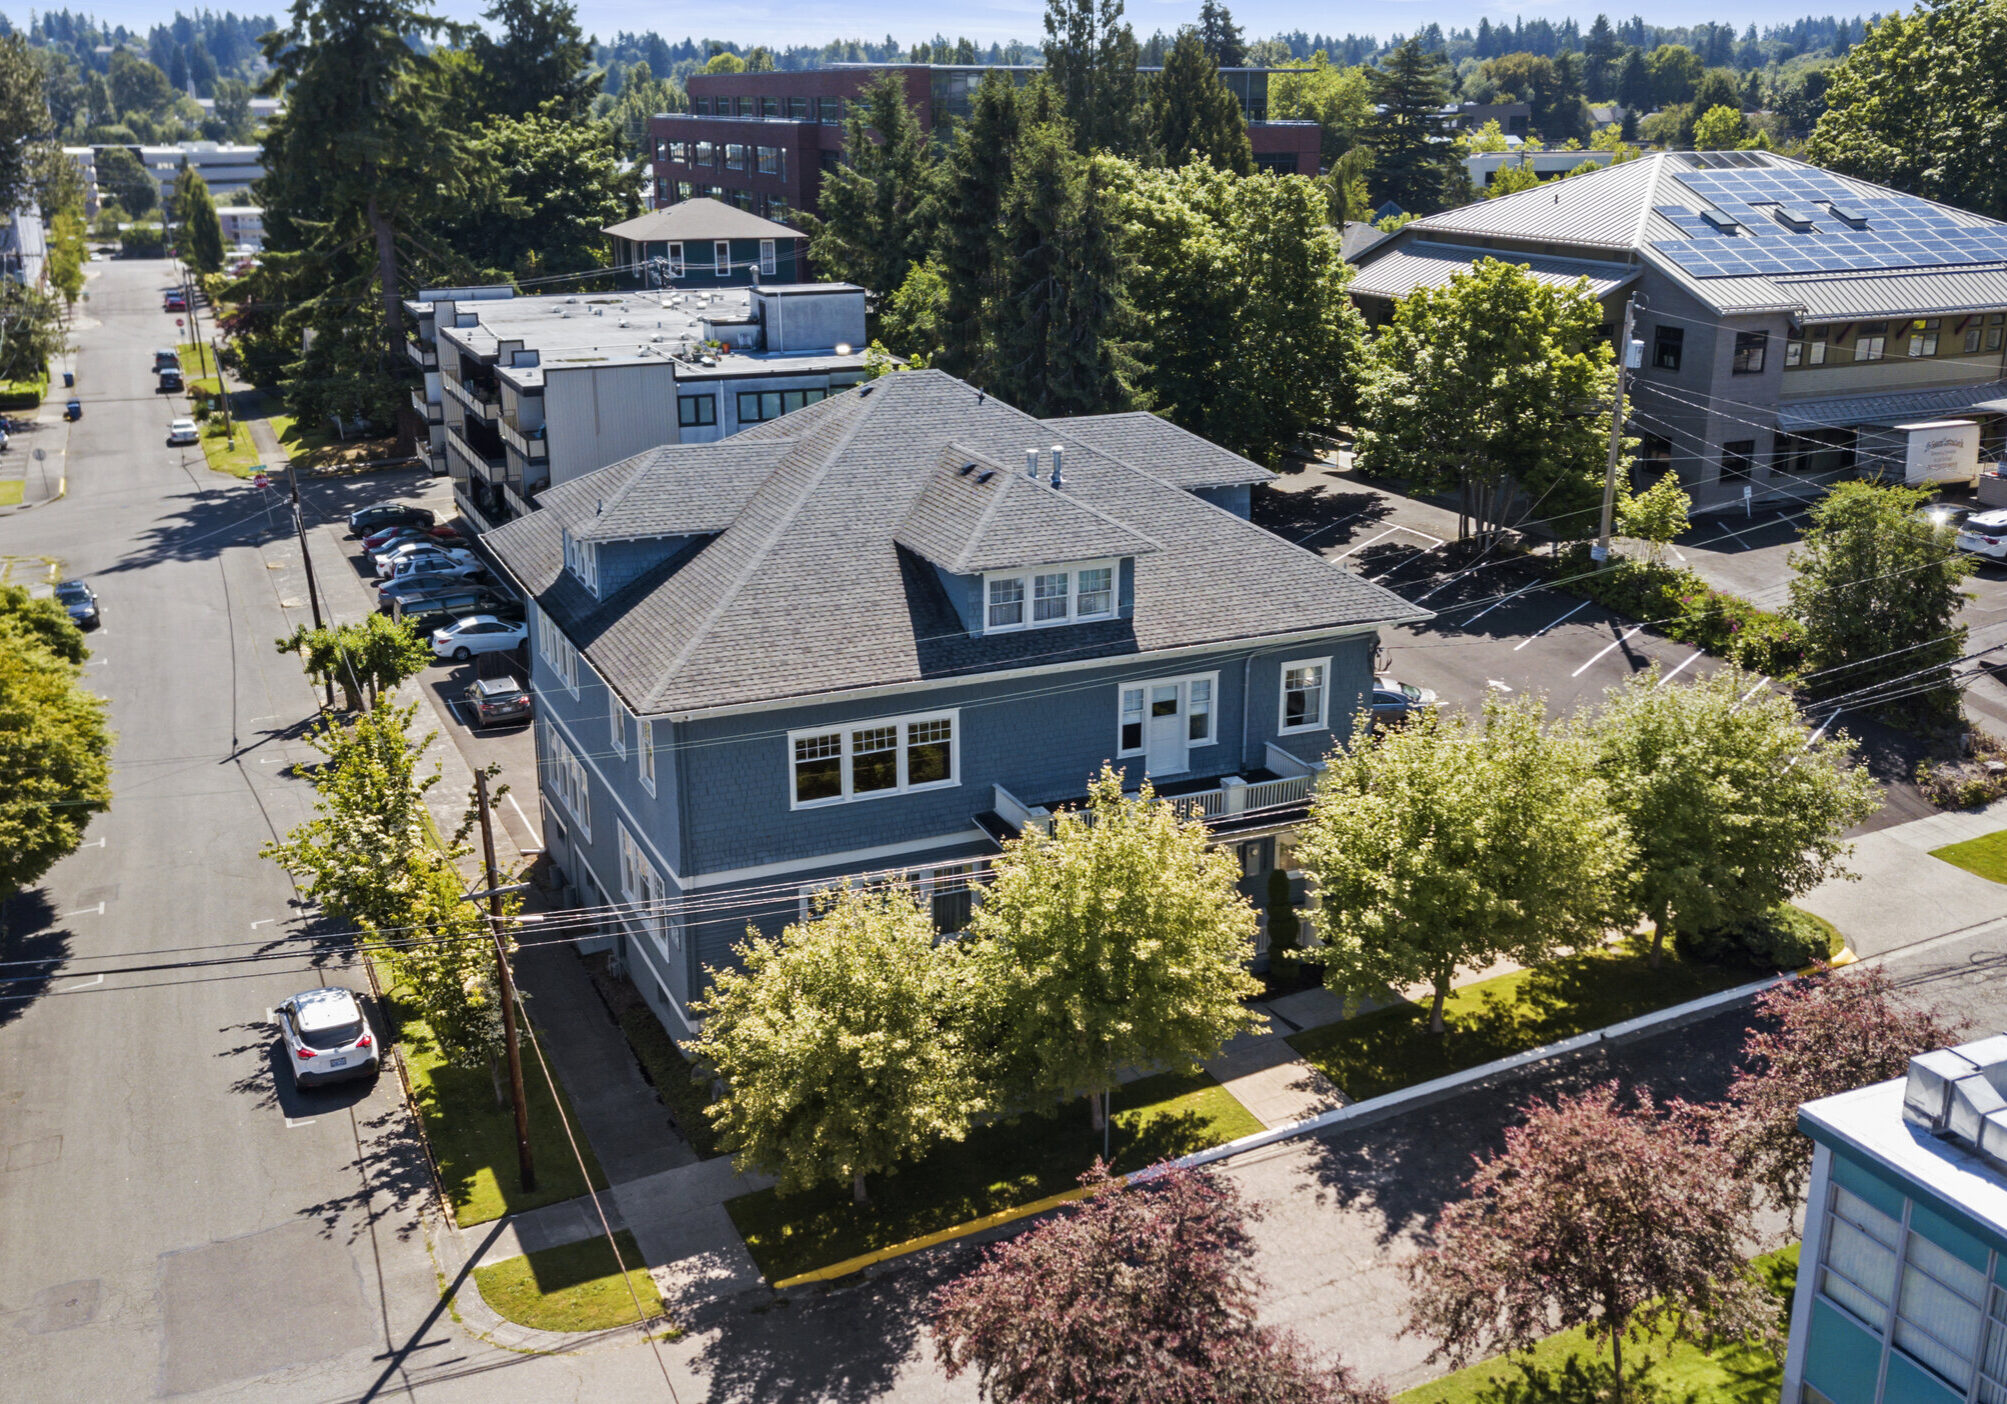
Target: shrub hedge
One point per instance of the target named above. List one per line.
(1682, 606)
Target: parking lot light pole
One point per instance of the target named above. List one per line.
(1601, 550)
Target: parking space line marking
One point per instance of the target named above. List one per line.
(98, 910)
(94, 980)
(511, 798)
(266, 922)
(97, 842)
(1813, 739)
(1496, 603)
(1545, 627)
(1754, 690)
(1607, 648)
(1691, 660)
(292, 1125)
(1364, 544)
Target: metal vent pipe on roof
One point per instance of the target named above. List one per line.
(1057, 451)
(1031, 463)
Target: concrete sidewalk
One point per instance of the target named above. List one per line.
(1903, 895)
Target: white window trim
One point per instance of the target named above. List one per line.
(581, 558)
(1282, 697)
(951, 715)
(676, 260)
(616, 723)
(558, 651)
(721, 257)
(768, 261)
(1072, 569)
(644, 745)
(663, 926)
(565, 771)
(1184, 709)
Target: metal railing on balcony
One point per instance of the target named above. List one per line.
(530, 444)
(427, 409)
(422, 354)
(486, 404)
(489, 468)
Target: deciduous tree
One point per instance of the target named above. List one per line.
(1720, 128)
(1731, 809)
(55, 770)
(1920, 103)
(542, 187)
(840, 1044)
(1877, 590)
(1817, 1038)
(1493, 386)
(1138, 1293)
(1337, 97)
(1117, 940)
(24, 117)
(1655, 516)
(366, 659)
(1597, 1216)
(1453, 841)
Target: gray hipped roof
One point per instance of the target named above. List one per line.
(808, 590)
(697, 220)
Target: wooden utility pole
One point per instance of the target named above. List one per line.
(306, 556)
(508, 983)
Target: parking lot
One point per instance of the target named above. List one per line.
(510, 745)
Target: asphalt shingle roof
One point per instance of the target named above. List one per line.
(976, 515)
(807, 591)
(675, 490)
(1179, 457)
(700, 219)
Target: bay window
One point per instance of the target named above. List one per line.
(896, 755)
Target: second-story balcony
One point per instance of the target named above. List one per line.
(428, 410)
(482, 401)
(481, 464)
(529, 443)
(422, 355)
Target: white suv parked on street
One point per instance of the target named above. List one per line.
(327, 1037)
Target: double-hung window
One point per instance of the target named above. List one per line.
(644, 747)
(768, 263)
(565, 779)
(676, 260)
(581, 558)
(735, 156)
(646, 898)
(616, 723)
(721, 257)
(1165, 699)
(1667, 345)
(557, 651)
(897, 755)
(1059, 594)
(1985, 336)
(1305, 696)
(769, 160)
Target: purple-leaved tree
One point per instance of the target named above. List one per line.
(1136, 1295)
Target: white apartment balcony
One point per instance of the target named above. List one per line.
(530, 444)
(483, 404)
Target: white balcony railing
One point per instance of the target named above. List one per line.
(1237, 796)
(427, 409)
(530, 445)
(423, 355)
(485, 406)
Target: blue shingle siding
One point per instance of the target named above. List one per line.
(622, 562)
(1237, 498)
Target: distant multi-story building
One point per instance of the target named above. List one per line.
(705, 243)
(243, 226)
(761, 141)
(1796, 324)
(1900, 1297)
(524, 393)
(229, 171)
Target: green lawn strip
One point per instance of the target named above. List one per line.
(575, 1287)
(238, 456)
(1569, 1367)
(1392, 1048)
(11, 492)
(1985, 855)
(670, 1072)
(1000, 1166)
(474, 1141)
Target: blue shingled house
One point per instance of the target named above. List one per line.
(885, 632)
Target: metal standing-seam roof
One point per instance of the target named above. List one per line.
(1433, 265)
(807, 592)
(1903, 294)
(1848, 410)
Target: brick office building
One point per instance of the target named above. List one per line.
(761, 141)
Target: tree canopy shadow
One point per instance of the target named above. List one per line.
(33, 944)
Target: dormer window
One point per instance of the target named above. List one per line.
(1048, 595)
(581, 558)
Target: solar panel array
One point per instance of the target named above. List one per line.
(1827, 228)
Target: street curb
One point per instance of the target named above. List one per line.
(1361, 1113)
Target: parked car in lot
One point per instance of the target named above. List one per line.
(400, 558)
(182, 431)
(1395, 701)
(365, 520)
(166, 359)
(384, 538)
(174, 302)
(169, 382)
(436, 609)
(479, 633)
(327, 1037)
(422, 582)
(1984, 534)
(81, 602)
(492, 700)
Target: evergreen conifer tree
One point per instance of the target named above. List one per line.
(873, 227)
(199, 239)
(975, 180)
(1414, 166)
(1194, 113)
(1220, 36)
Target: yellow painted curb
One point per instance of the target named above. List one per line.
(1845, 957)
(900, 1250)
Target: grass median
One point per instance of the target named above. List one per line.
(574, 1287)
(1985, 856)
(474, 1141)
(237, 455)
(1568, 1368)
(1392, 1048)
(1000, 1166)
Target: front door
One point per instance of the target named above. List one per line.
(1164, 731)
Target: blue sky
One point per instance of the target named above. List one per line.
(986, 20)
